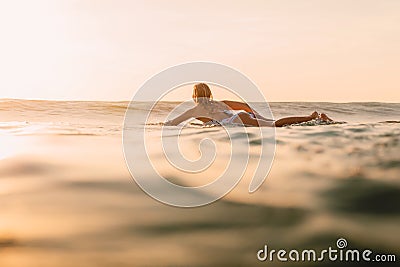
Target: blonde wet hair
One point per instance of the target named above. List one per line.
(202, 93)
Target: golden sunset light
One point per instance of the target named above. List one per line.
(293, 50)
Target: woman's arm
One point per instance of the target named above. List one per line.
(235, 105)
(183, 117)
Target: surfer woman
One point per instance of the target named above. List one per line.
(210, 111)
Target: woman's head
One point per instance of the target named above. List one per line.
(201, 93)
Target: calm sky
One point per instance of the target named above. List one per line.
(293, 50)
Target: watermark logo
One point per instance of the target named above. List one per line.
(137, 140)
(340, 253)
(341, 243)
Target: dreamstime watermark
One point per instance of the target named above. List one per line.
(136, 142)
(340, 253)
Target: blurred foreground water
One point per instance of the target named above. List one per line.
(67, 198)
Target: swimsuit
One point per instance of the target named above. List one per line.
(229, 120)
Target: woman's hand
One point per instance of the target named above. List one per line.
(168, 123)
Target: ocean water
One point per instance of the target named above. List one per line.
(67, 197)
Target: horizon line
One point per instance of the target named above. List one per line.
(172, 101)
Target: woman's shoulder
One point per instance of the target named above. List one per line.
(222, 105)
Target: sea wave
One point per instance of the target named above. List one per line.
(101, 117)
